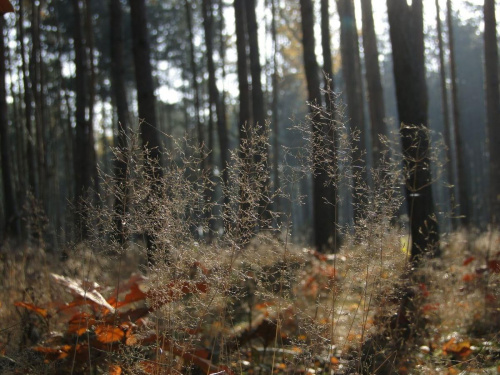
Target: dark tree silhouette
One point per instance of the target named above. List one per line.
(492, 105)
(323, 212)
(460, 178)
(12, 220)
(120, 96)
(407, 39)
(373, 80)
(84, 155)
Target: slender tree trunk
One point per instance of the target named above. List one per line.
(214, 95)
(28, 108)
(460, 178)
(444, 99)
(84, 154)
(194, 75)
(330, 106)
(323, 213)
(407, 39)
(36, 85)
(374, 82)
(120, 100)
(12, 220)
(146, 102)
(241, 47)
(351, 68)
(492, 106)
(258, 107)
(146, 99)
(275, 104)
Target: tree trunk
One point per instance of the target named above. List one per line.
(492, 106)
(84, 154)
(241, 48)
(351, 68)
(275, 103)
(120, 100)
(373, 80)
(323, 213)
(12, 220)
(258, 107)
(444, 99)
(407, 39)
(146, 100)
(28, 109)
(194, 75)
(460, 178)
(213, 91)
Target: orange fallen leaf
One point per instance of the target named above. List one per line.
(334, 361)
(107, 334)
(468, 260)
(42, 312)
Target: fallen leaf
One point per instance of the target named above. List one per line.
(42, 312)
(107, 334)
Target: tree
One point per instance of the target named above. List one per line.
(213, 91)
(460, 179)
(258, 107)
(351, 70)
(12, 220)
(374, 84)
(323, 211)
(146, 100)
(444, 98)
(407, 39)
(492, 105)
(84, 154)
(120, 100)
(241, 49)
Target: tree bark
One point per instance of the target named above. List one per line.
(12, 220)
(146, 100)
(323, 212)
(213, 91)
(84, 153)
(258, 107)
(374, 84)
(120, 100)
(444, 100)
(28, 109)
(492, 106)
(406, 32)
(351, 68)
(241, 48)
(464, 208)
(275, 103)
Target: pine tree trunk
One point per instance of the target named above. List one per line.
(373, 80)
(84, 154)
(407, 39)
(323, 213)
(492, 106)
(12, 220)
(460, 178)
(120, 100)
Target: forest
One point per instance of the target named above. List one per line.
(249, 187)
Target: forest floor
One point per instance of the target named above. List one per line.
(295, 311)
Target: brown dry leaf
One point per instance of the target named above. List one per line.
(460, 349)
(42, 312)
(114, 370)
(77, 289)
(107, 334)
(334, 361)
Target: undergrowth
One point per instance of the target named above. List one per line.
(221, 288)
